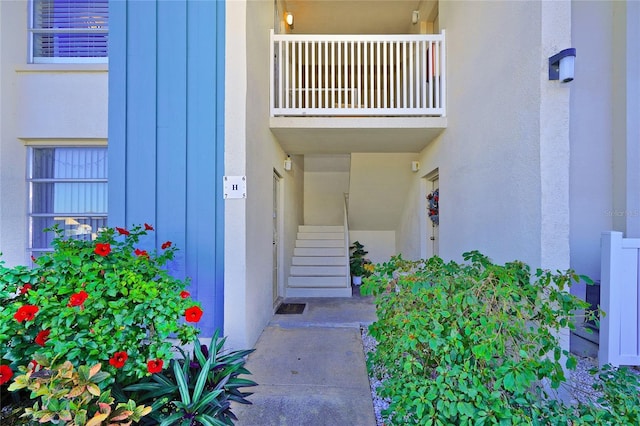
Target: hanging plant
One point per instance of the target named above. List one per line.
(433, 199)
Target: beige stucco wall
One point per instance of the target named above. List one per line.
(503, 160)
(591, 134)
(251, 150)
(53, 103)
(326, 180)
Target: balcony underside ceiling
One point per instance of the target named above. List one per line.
(324, 135)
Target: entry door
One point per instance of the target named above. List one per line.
(276, 235)
(432, 227)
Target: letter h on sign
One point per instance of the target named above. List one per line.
(235, 187)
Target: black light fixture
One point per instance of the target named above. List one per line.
(561, 65)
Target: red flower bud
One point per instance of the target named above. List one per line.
(166, 245)
(184, 294)
(141, 253)
(148, 227)
(122, 231)
(25, 288)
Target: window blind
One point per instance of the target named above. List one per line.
(69, 29)
(68, 188)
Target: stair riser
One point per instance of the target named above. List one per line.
(319, 261)
(321, 236)
(321, 228)
(319, 271)
(317, 282)
(303, 251)
(319, 243)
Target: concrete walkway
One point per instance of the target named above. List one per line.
(310, 367)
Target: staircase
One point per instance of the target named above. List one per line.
(320, 263)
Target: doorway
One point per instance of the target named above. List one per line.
(276, 237)
(433, 214)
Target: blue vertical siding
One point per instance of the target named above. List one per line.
(172, 129)
(166, 135)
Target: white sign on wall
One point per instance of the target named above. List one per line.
(235, 187)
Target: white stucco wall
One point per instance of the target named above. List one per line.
(46, 104)
(251, 150)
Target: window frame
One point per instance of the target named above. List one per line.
(33, 31)
(30, 180)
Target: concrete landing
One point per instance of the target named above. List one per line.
(310, 367)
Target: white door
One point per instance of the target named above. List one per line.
(433, 225)
(276, 235)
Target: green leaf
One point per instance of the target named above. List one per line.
(182, 383)
(202, 380)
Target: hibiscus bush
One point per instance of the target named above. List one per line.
(105, 301)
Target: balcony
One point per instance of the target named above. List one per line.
(346, 93)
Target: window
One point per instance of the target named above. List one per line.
(67, 187)
(69, 31)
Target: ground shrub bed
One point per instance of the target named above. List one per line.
(476, 343)
(87, 338)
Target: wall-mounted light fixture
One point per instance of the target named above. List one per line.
(561, 65)
(415, 166)
(415, 17)
(288, 18)
(287, 163)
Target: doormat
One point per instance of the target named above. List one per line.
(291, 308)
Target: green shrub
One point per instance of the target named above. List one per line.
(74, 397)
(197, 388)
(103, 302)
(473, 343)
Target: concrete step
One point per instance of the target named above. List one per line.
(319, 282)
(319, 243)
(320, 236)
(319, 271)
(318, 251)
(321, 228)
(316, 292)
(319, 260)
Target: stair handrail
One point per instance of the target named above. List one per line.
(346, 236)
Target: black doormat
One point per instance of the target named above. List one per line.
(291, 308)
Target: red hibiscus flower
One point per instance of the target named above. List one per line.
(118, 359)
(193, 314)
(103, 249)
(25, 288)
(184, 294)
(122, 231)
(148, 227)
(154, 365)
(5, 374)
(166, 245)
(26, 313)
(42, 337)
(78, 298)
(142, 253)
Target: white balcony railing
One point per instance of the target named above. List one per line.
(358, 75)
